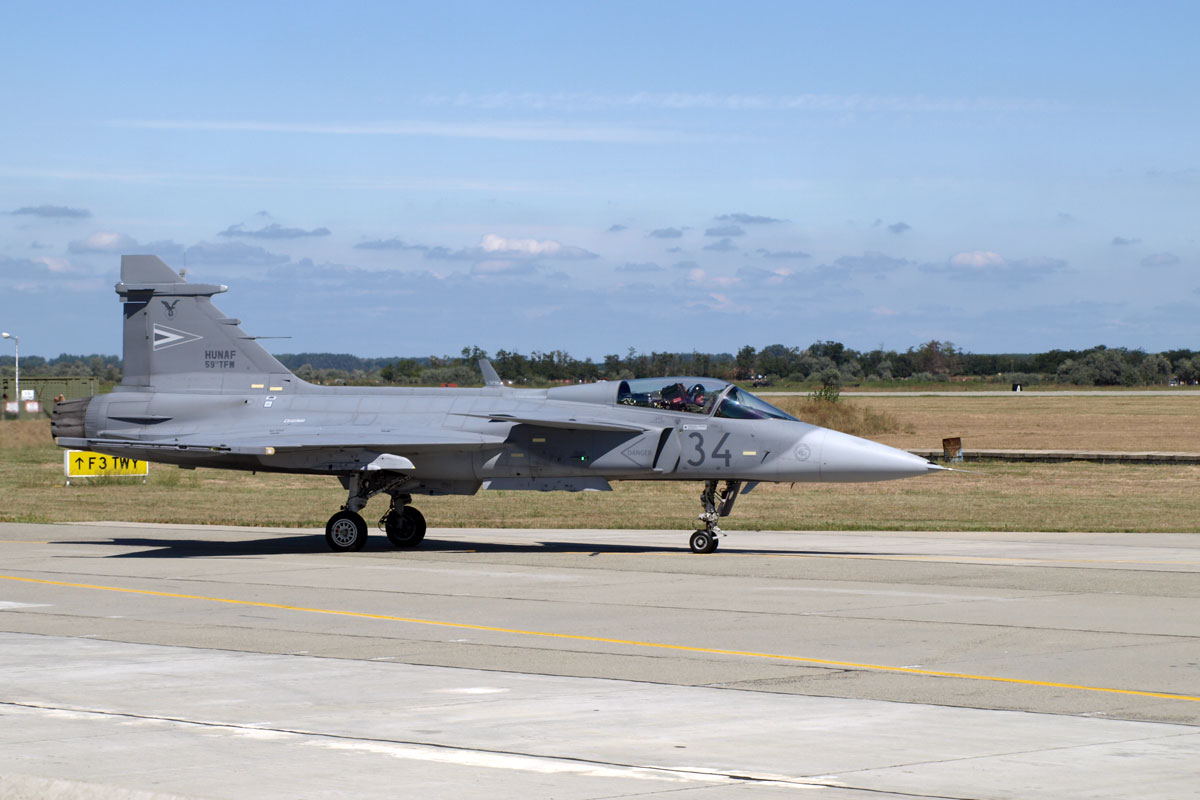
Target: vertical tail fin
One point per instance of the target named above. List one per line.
(177, 340)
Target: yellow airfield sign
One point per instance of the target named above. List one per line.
(86, 464)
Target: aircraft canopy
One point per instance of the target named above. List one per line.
(697, 396)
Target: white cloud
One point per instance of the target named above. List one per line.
(233, 254)
(55, 264)
(272, 231)
(984, 265)
(493, 243)
(702, 278)
(104, 242)
(717, 301)
(494, 247)
(978, 259)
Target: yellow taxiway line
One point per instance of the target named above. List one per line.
(606, 640)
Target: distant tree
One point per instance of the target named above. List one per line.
(458, 375)
(612, 365)
(851, 372)
(834, 351)
(1098, 367)
(1155, 369)
(637, 363)
(777, 359)
(1112, 368)
(472, 354)
(811, 366)
(937, 358)
(745, 362)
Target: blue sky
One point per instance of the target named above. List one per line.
(410, 179)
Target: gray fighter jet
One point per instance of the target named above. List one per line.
(198, 392)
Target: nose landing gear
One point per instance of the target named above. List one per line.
(705, 541)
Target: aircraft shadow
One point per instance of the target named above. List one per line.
(315, 543)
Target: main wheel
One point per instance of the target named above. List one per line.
(703, 542)
(405, 526)
(346, 532)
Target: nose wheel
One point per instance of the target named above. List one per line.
(703, 542)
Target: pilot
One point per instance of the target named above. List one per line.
(696, 397)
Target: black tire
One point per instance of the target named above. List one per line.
(703, 542)
(346, 532)
(405, 527)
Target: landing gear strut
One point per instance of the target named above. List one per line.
(715, 507)
(346, 530)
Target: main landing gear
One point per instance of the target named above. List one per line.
(346, 531)
(715, 507)
(403, 524)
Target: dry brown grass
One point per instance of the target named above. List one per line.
(25, 433)
(1020, 497)
(854, 418)
(1107, 422)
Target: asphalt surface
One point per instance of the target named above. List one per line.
(141, 661)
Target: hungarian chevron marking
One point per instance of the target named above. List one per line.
(165, 337)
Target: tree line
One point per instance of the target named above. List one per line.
(823, 362)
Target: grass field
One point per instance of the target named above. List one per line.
(999, 496)
(1094, 422)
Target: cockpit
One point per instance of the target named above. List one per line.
(697, 396)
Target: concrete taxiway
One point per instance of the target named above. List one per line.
(158, 660)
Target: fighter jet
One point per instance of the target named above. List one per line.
(198, 392)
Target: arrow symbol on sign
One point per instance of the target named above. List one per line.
(169, 337)
(79, 463)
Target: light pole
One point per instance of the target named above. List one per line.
(16, 365)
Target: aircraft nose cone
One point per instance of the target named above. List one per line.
(849, 459)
